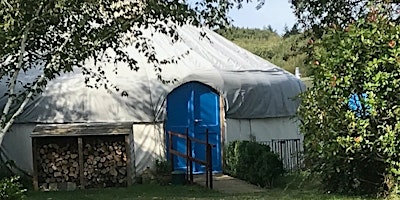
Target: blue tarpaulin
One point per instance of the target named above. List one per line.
(357, 105)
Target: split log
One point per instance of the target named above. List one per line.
(57, 164)
(105, 163)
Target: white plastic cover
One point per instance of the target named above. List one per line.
(262, 130)
(149, 139)
(252, 87)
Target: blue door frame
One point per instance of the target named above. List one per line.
(196, 107)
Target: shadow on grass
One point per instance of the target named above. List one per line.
(303, 185)
(295, 186)
(151, 191)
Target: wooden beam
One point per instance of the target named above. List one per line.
(80, 157)
(128, 161)
(84, 129)
(35, 167)
(222, 124)
(174, 152)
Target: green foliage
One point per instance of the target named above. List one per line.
(293, 31)
(282, 51)
(161, 174)
(253, 162)
(5, 170)
(316, 15)
(235, 33)
(11, 189)
(355, 152)
(184, 192)
(162, 167)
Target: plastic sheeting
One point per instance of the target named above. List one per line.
(149, 144)
(252, 87)
(262, 129)
(17, 145)
(149, 139)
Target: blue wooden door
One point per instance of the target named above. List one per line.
(195, 106)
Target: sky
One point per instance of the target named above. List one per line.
(276, 13)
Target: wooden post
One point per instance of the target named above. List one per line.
(297, 154)
(128, 161)
(191, 163)
(132, 153)
(35, 167)
(187, 156)
(209, 162)
(207, 158)
(80, 154)
(222, 124)
(169, 149)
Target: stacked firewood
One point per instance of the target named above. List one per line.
(105, 163)
(57, 164)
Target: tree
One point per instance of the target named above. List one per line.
(58, 36)
(269, 45)
(318, 14)
(293, 31)
(350, 117)
(270, 29)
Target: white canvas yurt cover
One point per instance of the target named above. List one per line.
(251, 87)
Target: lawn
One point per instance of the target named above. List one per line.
(177, 192)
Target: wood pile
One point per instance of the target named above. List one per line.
(57, 164)
(81, 155)
(105, 163)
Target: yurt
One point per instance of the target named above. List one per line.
(217, 86)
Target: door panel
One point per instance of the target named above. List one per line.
(179, 114)
(207, 114)
(195, 106)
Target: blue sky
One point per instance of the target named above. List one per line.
(276, 13)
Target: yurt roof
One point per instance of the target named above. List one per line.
(251, 86)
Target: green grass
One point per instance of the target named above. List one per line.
(178, 192)
(295, 186)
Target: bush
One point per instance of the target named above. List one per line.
(162, 167)
(11, 189)
(354, 147)
(252, 162)
(5, 168)
(163, 171)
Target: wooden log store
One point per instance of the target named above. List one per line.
(90, 155)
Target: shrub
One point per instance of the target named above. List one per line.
(355, 146)
(5, 168)
(8, 169)
(162, 172)
(11, 189)
(162, 167)
(252, 162)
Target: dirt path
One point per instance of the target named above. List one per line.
(227, 184)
